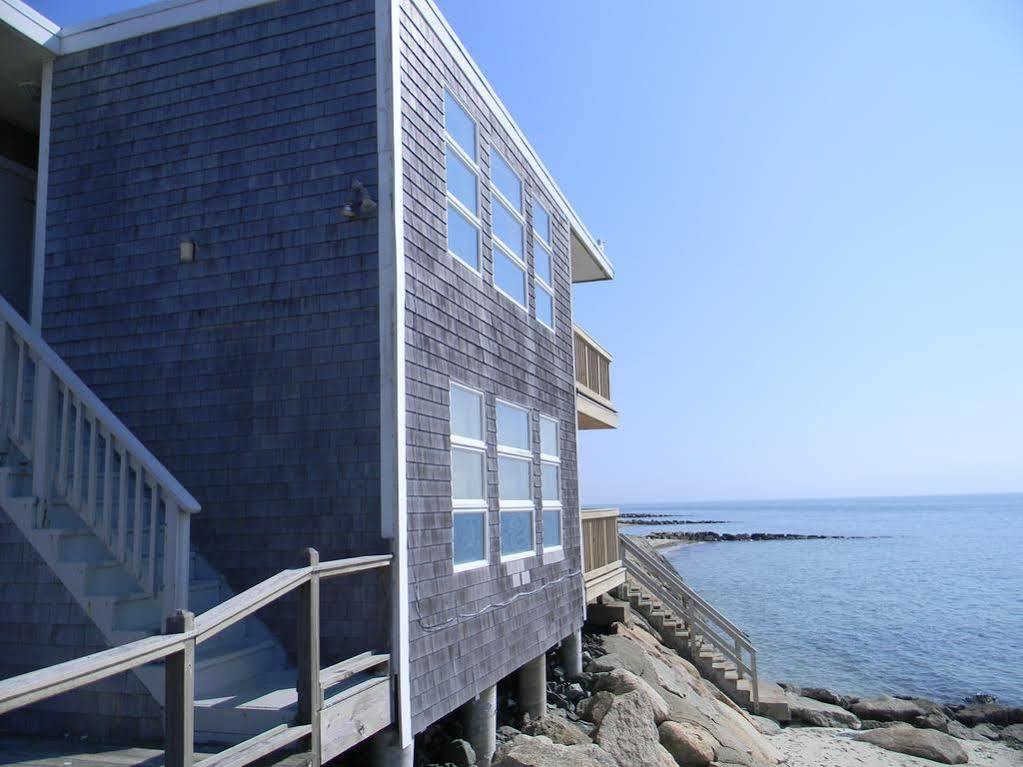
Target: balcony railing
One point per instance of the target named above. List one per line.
(593, 384)
(602, 564)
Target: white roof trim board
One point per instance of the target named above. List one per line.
(589, 261)
(31, 24)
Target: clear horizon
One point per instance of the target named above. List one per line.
(814, 214)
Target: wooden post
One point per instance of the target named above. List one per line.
(178, 706)
(43, 409)
(310, 694)
(176, 555)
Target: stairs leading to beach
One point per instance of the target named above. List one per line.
(697, 631)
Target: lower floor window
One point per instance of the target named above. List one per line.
(470, 536)
(516, 532)
(551, 528)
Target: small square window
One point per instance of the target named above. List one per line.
(549, 437)
(459, 125)
(550, 482)
(507, 228)
(512, 426)
(505, 180)
(463, 238)
(513, 479)
(467, 475)
(544, 306)
(510, 277)
(469, 537)
(516, 532)
(466, 413)
(542, 222)
(462, 181)
(551, 528)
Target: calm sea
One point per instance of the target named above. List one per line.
(934, 608)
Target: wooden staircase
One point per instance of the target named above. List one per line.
(112, 524)
(696, 630)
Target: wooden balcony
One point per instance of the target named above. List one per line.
(593, 384)
(602, 563)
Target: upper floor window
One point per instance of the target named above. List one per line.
(508, 227)
(515, 481)
(462, 176)
(543, 259)
(468, 478)
(550, 481)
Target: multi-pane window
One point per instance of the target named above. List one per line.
(507, 230)
(550, 481)
(460, 164)
(543, 257)
(468, 478)
(514, 481)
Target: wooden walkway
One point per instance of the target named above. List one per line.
(56, 752)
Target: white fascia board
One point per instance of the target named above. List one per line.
(144, 20)
(439, 25)
(30, 23)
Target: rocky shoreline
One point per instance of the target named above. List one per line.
(639, 703)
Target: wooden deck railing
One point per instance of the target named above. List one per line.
(177, 649)
(592, 366)
(602, 565)
(83, 455)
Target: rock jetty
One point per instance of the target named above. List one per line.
(709, 536)
(652, 521)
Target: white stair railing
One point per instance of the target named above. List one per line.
(83, 455)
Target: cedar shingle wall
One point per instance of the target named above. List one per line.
(253, 374)
(458, 327)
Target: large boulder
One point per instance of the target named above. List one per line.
(986, 731)
(819, 714)
(935, 720)
(558, 730)
(927, 744)
(460, 753)
(689, 744)
(825, 696)
(627, 732)
(887, 709)
(593, 708)
(961, 731)
(621, 681)
(989, 712)
(528, 751)
(1013, 736)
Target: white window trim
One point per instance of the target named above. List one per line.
(518, 210)
(518, 213)
(515, 453)
(552, 460)
(471, 505)
(473, 218)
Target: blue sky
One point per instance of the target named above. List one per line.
(816, 215)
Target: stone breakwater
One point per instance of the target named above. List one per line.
(652, 521)
(709, 536)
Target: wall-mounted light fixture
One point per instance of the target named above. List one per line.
(186, 251)
(361, 205)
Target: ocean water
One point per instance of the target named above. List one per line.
(932, 608)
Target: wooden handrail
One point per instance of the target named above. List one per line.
(34, 686)
(635, 550)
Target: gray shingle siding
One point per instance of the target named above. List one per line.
(459, 328)
(253, 374)
(42, 625)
